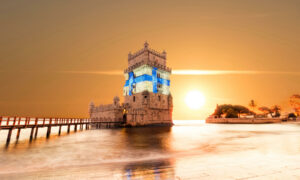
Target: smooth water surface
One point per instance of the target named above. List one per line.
(188, 150)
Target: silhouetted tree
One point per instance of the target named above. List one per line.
(276, 110)
(231, 111)
(265, 110)
(252, 105)
(241, 110)
(295, 103)
(292, 115)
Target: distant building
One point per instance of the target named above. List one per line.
(148, 100)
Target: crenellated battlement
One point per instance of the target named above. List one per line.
(105, 107)
(146, 49)
(146, 55)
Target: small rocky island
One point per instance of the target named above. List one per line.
(238, 114)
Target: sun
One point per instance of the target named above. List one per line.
(195, 99)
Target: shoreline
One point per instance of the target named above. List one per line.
(248, 120)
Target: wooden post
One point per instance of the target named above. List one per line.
(8, 136)
(31, 134)
(26, 121)
(75, 128)
(36, 121)
(0, 121)
(36, 132)
(59, 131)
(44, 121)
(49, 128)
(18, 134)
(68, 128)
(19, 123)
(7, 122)
(86, 126)
(48, 132)
(14, 123)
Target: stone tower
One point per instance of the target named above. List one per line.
(147, 89)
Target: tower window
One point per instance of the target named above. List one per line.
(133, 98)
(145, 97)
(158, 98)
(134, 87)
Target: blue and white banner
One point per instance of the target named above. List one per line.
(145, 77)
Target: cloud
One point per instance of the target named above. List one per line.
(193, 72)
(226, 72)
(114, 72)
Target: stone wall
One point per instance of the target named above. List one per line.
(107, 113)
(141, 117)
(149, 108)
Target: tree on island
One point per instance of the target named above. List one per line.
(241, 110)
(292, 116)
(295, 103)
(274, 111)
(265, 110)
(231, 111)
(252, 105)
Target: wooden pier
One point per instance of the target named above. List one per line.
(19, 123)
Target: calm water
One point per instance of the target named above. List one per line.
(189, 150)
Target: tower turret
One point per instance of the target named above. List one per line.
(91, 107)
(147, 87)
(147, 71)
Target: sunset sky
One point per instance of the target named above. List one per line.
(51, 51)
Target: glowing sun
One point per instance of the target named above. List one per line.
(194, 99)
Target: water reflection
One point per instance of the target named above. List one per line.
(155, 141)
(161, 169)
(148, 138)
(185, 151)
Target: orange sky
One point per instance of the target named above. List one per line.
(40, 40)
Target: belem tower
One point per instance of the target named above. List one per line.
(147, 97)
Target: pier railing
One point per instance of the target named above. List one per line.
(33, 123)
(25, 122)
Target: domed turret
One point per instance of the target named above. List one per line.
(91, 107)
(116, 101)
